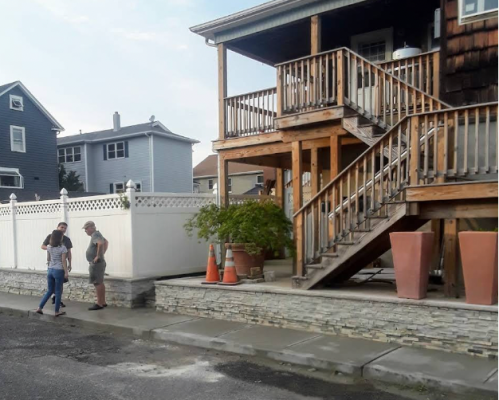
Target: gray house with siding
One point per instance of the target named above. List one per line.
(155, 158)
(28, 146)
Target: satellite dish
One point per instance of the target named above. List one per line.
(152, 118)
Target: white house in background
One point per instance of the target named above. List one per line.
(155, 158)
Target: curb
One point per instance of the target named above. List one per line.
(374, 373)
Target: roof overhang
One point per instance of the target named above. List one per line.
(121, 137)
(57, 125)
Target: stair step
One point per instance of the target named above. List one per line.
(378, 217)
(300, 278)
(345, 243)
(330, 255)
(314, 266)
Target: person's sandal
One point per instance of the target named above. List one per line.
(39, 312)
(96, 307)
(60, 313)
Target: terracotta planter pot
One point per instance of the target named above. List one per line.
(479, 258)
(411, 260)
(243, 261)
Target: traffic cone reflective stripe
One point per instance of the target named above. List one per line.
(230, 275)
(212, 274)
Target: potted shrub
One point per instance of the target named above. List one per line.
(411, 261)
(479, 259)
(252, 228)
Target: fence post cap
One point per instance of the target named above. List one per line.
(13, 197)
(64, 192)
(130, 184)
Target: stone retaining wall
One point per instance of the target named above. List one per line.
(436, 324)
(119, 291)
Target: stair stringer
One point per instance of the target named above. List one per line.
(352, 258)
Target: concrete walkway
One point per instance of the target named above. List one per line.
(355, 357)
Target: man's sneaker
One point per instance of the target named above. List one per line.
(53, 299)
(95, 307)
(62, 304)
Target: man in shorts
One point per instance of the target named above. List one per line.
(97, 265)
(66, 241)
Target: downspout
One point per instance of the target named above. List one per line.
(207, 42)
(151, 159)
(86, 168)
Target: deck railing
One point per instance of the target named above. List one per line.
(445, 145)
(340, 77)
(421, 71)
(250, 114)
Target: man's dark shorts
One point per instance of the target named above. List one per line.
(96, 272)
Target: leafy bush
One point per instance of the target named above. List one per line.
(261, 226)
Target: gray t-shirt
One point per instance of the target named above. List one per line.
(56, 256)
(92, 247)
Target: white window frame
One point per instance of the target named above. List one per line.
(12, 127)
(262, 182)
(67, 153)
(137, 184)
(385, 35)
(115, 150)
(16, 171)
(477, 16)
(212, 182)
(12, 98)
(119, 183)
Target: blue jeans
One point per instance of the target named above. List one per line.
(55, 280)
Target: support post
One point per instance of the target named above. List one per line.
(222, 90)
(340, 78)
(130, 196)
(315, 35)
(279, 187)
(223, 181)
(414, 152)
(335, 169)
(296, 149)
(314, 183)
(64, 208)
(451, 257)
(436, 74)
(13, 213)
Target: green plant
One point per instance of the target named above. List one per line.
(69, 180)
(124, 202)
(261, 226)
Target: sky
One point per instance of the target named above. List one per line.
(85, 59)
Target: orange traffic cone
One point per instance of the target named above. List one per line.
(212, 274)
(230, 275)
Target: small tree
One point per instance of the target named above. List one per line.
(69, 180)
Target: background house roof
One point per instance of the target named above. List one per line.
(9, 86)
(132, 130)
(209, 167)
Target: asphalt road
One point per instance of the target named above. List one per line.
(44, 360)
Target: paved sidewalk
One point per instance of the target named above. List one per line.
(355, 357)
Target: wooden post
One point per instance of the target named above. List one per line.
(279, 187)
(436, 75)
(279, 91)
(222, 89)
(340, 78)
(451, 257)
(315, 35)
(297, 166)
(414, 152)
(335, 169)
(223, 181)
(314, 186)
(436, 228)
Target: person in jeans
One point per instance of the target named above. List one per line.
(97, 265)
(57, 272)
(66, 241)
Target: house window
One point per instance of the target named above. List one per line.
(210, 184)
(16, 103)
(229, 187)
(375, 46)
(476, 10)
(115, 150)
(374, 51)
(259, 180)
(70, 154)
(138, 186)
(11, 178)
(17, 139)
(118, 187)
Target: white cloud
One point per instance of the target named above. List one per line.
(60, 10)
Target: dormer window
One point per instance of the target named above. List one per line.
(16, 103)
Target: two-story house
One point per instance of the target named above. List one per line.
(28, 146)
(243, 178)
(155, 158)
(390, 105)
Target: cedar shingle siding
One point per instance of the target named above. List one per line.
(468, 58)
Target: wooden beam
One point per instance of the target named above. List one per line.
(247, 141)
(315, 34)
(415, 151)
(335, 145)
(223, 182)
(452, 209)
(451, 259)
(222, 89)
(279, 187)
(254, 151)
(452, 191)
(340, 76)
(313, 133)
(314, 162)
(311, 117)
(436, 74)
(297, 203)
(436, 228)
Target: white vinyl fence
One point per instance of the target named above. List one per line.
(146, 237)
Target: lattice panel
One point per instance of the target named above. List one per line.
(172, 202)
(41, 208)
(4, 211)
(111, 203)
